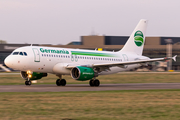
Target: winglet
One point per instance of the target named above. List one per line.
(174, 58)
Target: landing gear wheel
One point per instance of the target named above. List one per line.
(28, 82)
(58, 82)
(96, 82)
(91, 82)
(63, 82)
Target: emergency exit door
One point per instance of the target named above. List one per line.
(36, 55)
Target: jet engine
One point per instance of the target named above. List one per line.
(32, 75)
(82, 73)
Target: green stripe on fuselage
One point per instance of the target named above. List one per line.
(92, 54)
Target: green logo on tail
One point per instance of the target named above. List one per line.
(138, 38)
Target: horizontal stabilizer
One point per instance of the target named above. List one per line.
(174, 58)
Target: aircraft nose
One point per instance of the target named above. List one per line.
(8, 61)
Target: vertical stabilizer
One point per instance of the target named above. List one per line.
(136, 41)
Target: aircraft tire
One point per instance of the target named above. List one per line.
(91, 83)
(96, 82)
(63, 82)
(27, 82)
(58, 83)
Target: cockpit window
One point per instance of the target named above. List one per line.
(15, 53)
(25, 53)
(21, 53)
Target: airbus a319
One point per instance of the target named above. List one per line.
(36, 62)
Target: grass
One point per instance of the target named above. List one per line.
(101, 105)
(105, 79)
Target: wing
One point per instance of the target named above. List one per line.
(134, 62)
(124, 63)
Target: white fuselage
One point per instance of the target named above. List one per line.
(44, 59)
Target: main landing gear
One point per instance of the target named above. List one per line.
(94, 82)
(60, 82)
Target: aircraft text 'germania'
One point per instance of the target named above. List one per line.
(54, 51)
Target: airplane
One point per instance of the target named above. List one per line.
(36, 62)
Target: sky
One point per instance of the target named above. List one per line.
(63, 21)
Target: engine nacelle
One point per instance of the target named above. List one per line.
(82, 73)
(33, 76)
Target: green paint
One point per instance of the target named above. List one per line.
(92, 54)
(54, 51)
(36, 76)
(139, 33)
(139, 38)
(85, 73)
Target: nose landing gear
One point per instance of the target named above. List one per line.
(28, 82)
(29, 75)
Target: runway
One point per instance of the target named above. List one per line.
(86, 87)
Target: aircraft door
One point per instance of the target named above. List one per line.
(74, 58)
(36, 55)
(125, 59)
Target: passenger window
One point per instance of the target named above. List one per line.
(15, 53)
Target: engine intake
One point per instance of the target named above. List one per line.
(82, 73)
